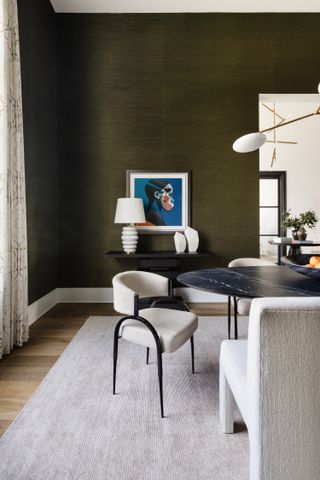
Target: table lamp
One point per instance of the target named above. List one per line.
(129, 211)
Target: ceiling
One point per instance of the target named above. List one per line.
(176, 6)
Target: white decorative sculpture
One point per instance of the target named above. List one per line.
(180, 242)
(192, 237)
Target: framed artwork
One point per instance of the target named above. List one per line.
(166, 199)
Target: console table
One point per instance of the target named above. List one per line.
(294, 247)
(166, 263)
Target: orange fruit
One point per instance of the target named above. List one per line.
(314, 260)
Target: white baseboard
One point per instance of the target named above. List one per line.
(105, 295)
(42, 305)
(85, 295)
(198, 296)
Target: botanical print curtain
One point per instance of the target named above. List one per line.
(13, 239)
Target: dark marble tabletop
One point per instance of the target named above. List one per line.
(251, 282)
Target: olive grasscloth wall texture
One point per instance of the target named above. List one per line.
(39, 71)
(167, 92)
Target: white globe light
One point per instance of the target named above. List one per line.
(249, 143)
(319, 88)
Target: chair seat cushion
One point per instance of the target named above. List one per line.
(174, 328)
(233, 361)
(244, 305)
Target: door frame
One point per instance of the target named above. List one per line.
(281, 176)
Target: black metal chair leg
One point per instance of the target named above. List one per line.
(158, 346)
(235, 306)
(192, 353)
(115, 357)
(159, 355)
(229, 317)
(147, 359)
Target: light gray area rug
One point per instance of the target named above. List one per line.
(73, 428)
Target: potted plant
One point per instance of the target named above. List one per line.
(289, 221)
(306, 219)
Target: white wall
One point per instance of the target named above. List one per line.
(301, 161)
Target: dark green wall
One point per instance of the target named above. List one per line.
(163, 92)
(38, 40)
(168, 92)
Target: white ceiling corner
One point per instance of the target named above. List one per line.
(179, 6)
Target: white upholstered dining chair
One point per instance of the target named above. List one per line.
(242, 305)
(163, 329)
(274, 379)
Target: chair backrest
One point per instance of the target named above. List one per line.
(250, 262)
(283, 384)
(145, 284)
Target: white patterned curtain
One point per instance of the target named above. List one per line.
(13, 236)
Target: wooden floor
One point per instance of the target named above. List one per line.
(25, 367)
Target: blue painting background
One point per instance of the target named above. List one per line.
(172, 218)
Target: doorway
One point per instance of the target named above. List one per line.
(272, 204)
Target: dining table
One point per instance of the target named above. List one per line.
(251, 282)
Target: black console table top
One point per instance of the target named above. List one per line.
(251, 282)
(166, 263)
(294, 247)
(159, 254)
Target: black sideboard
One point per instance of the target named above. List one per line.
(167, 263)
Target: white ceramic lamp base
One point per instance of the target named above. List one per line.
(129, 239)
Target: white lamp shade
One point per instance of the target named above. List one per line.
(319, 88)
(249, 143)
(129, 210)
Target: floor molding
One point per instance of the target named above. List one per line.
(104, 295)
(198, 296)
(85, 295)
(42, 305)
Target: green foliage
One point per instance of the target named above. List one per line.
(306, 219)
(309, 219)
(290, 221)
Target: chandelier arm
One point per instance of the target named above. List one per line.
(282, 124)
(273, 111)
